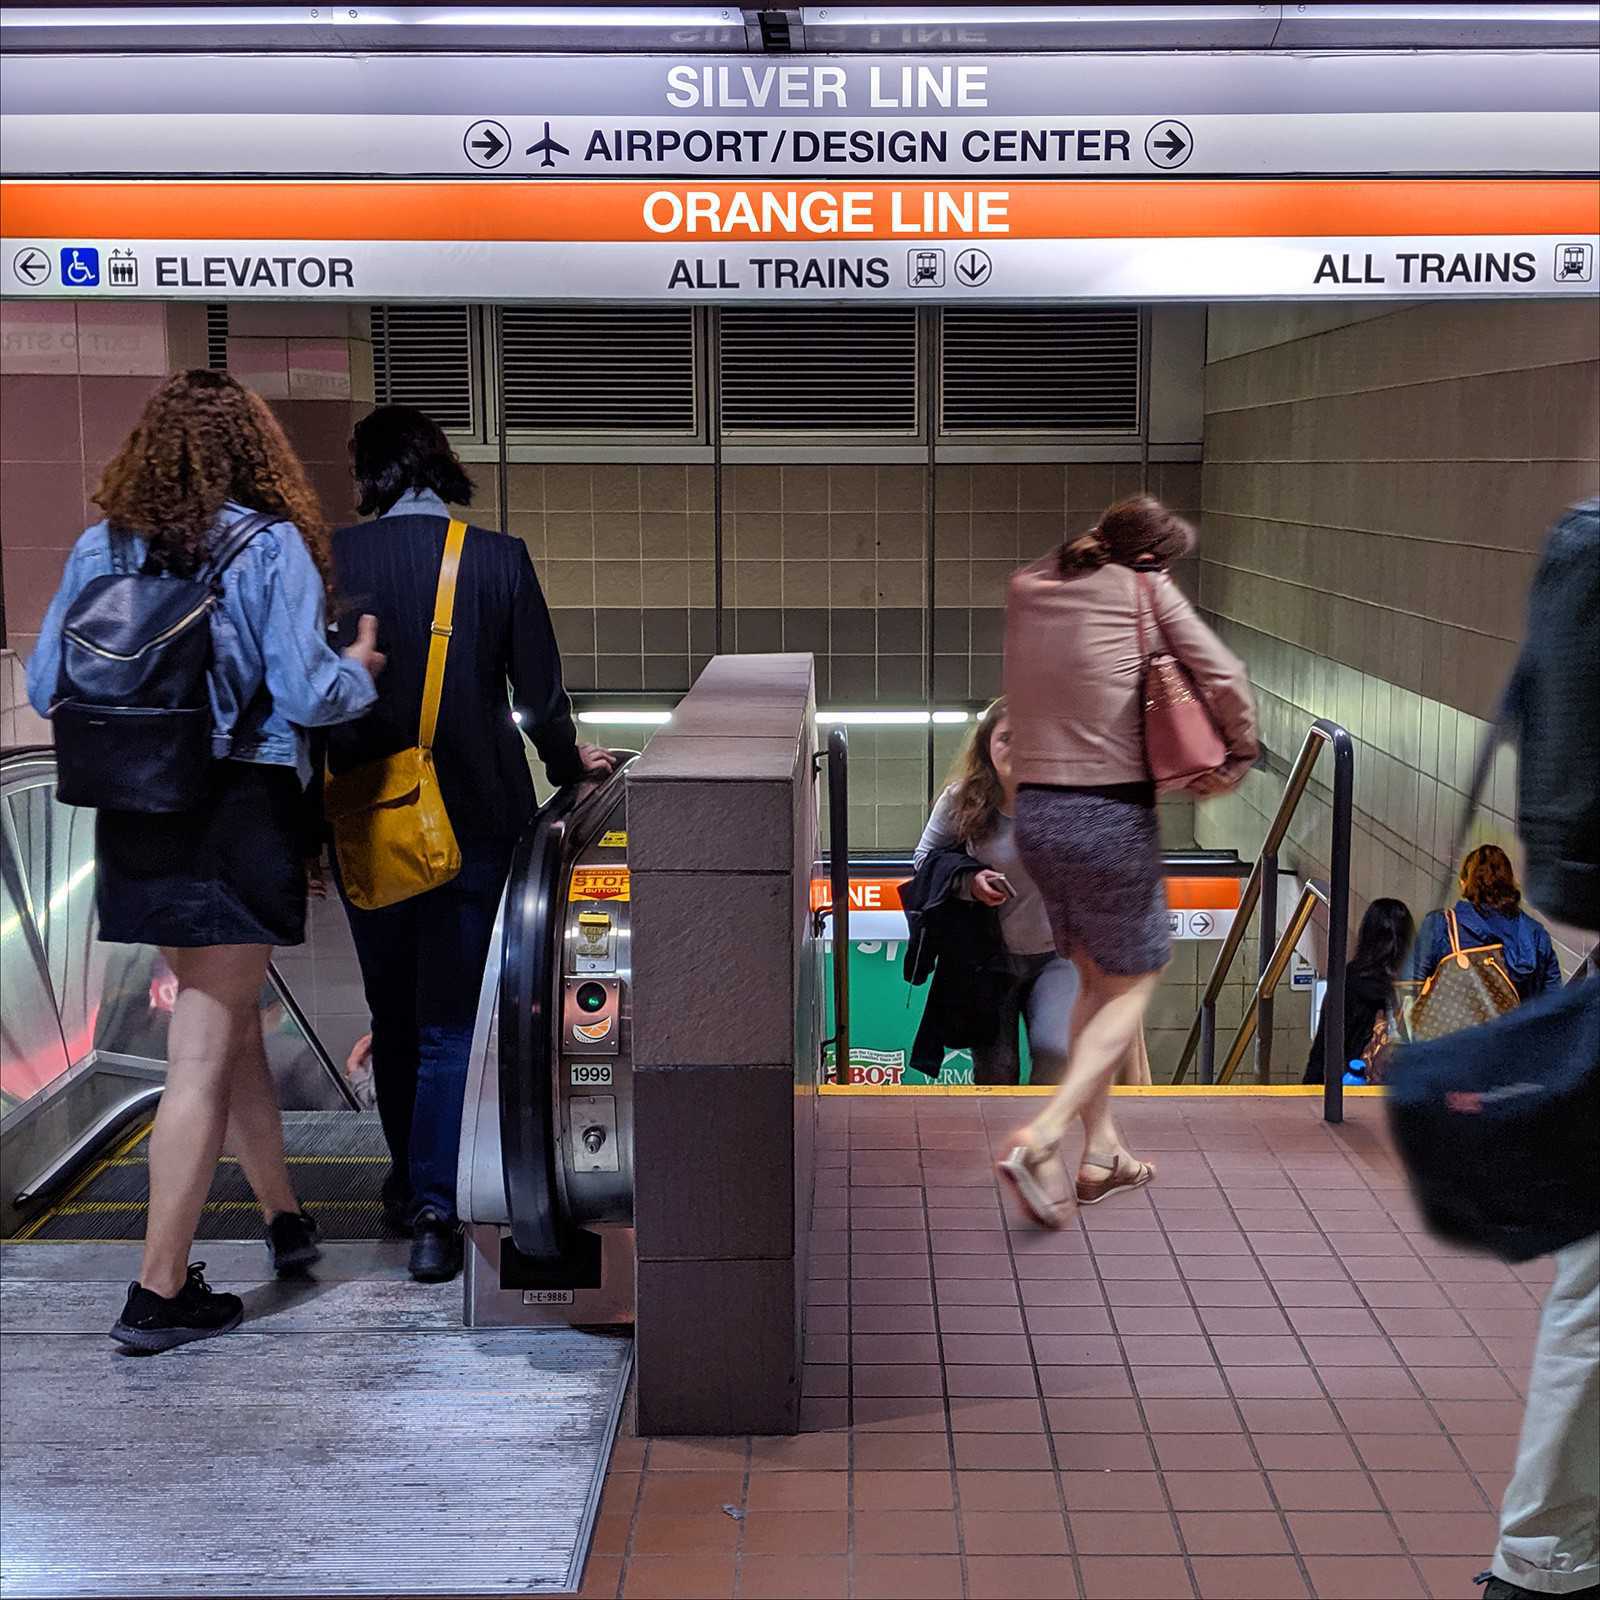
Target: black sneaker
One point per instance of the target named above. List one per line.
(292, 1237)
(152, 1322)
(435, 1248)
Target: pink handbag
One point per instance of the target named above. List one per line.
(1181, 742)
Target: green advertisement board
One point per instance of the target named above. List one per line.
(885, 1012)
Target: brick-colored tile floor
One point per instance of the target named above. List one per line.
(1261, 1377)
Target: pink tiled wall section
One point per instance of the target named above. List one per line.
(72, 383)
(73, 380)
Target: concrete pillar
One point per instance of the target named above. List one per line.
(722, 825)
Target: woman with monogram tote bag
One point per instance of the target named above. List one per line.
(1117, 690)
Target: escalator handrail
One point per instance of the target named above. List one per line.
(530, 996)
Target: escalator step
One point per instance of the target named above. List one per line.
(338, 1161)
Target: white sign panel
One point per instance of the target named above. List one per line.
(998, 118)
(995, 269)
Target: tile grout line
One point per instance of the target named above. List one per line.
(633, 1523)
(1138, 1400)
(1405, 1366)
(1316, 1371)
(944, 1371)
(1038, 1381)
(1222, 1371)
(849, 1350)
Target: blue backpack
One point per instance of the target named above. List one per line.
(132, 713)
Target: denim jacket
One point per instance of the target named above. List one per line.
(273, 673)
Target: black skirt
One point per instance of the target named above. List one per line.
(228, 872)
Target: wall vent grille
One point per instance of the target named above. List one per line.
(821, 370)
(600, 370)
(422, 357)
(1072, 369)
(217, 337)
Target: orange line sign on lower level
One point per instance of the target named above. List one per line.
(686, 213)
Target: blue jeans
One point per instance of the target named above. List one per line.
(422, 967)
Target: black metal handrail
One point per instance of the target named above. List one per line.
(1261, 889)
(838, 762)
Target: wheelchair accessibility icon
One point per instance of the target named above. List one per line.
(80, 267)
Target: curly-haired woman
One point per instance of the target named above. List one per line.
(1490, 912)
(217, 887)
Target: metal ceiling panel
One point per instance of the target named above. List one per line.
(1439, 27)
(1092, 27)
(340, 29)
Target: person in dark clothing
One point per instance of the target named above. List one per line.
(1549, 1540)
(1381, 946)
(1490, 912)
(422, 960)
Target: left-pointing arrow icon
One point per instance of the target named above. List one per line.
(486, 143)
(31, 266)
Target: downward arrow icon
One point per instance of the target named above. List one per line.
(973, 266)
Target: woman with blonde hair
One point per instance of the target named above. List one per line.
(977, 813)
(218, 885)
(1082, 625)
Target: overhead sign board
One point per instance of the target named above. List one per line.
(1113, 115)
(653, 179)
(1151, 240)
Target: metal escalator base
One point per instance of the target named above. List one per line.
(351, 1438)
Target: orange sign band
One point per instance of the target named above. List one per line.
(603, 212)
(1183, 894)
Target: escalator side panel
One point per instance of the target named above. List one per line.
(480, 1171)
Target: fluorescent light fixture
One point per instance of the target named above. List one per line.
(627, 719)
(887, 719)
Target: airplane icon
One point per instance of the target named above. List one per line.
(548, 147)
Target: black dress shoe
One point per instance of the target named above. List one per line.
(436, 1248)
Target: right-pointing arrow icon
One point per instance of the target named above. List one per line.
(487, 144)
(1168, 144)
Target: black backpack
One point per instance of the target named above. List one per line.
(1496, 1125)
(132, 713)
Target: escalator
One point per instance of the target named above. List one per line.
(417, 1409)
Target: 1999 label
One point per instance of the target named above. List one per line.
(586, 1074)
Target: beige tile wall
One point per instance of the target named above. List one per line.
(826, 559)
(1376, 489)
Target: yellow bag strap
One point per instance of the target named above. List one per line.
(444, 607)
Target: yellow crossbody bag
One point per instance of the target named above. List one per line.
(391, 832)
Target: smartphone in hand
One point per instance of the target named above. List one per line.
(1003, 883)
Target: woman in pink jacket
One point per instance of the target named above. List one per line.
(1086, 824)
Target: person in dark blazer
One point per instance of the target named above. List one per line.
(422, 960)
